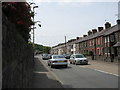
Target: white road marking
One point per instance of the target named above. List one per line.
(106, 72)
(100, 71)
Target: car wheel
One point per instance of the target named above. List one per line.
(48, 64)
(75, 63)
(70, 62)
(52, 66)
(66, 66)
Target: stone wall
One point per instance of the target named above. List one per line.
(17, 57)
(0, 45)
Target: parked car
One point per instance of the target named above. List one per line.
(46, 56)
(49, 56)
(57, 60)
(78, 59)
(67, 56)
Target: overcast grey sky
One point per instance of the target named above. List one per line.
(71, 19)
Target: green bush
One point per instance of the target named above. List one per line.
(90, 53)
(20, 14)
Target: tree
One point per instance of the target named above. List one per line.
(20, 14)
(41, 48)
(46, 49)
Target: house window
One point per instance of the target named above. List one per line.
(112, 38)
(108, 39)
(85, 44)
(98, 41)
(101, 41)
(90, 43)
(105, 39)
(93, 42)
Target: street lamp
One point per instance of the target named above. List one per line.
(65, 46)
(31, 3)
(33, 26)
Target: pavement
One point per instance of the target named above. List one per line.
(44, 78)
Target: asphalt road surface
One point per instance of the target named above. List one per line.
(76, 76)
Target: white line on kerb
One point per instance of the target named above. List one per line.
(53, 74)
(105, 72)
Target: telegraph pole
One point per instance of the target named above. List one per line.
(118, 10)
(65, 46)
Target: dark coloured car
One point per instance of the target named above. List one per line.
(45, 56)
(67, 56)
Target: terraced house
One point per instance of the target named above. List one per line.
(103, 43)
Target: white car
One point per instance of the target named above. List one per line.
(78, 59)
(57, 60)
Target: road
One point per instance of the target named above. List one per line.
(77, 76)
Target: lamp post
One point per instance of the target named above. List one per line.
(65, 46)
(33, 27)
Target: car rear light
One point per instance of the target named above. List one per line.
(54, 61)
(65, 61)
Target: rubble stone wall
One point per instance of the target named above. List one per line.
(17, 57)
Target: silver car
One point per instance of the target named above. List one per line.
(57, 60)
(78, 59)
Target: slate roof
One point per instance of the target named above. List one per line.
(101, 33)
(111, 30)
(91, 36)
(104, 32)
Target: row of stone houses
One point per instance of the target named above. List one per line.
(104, 43)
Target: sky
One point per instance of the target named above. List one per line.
(71, 18)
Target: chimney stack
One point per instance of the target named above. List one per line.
(94, 31)
(77, 38)
(107, 25)
(80, 37)
(84, 35)
(100, 29)
(89, 32)
(118, 21)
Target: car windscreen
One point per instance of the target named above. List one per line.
(55, 57)
(79, 56)
(45, 55)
